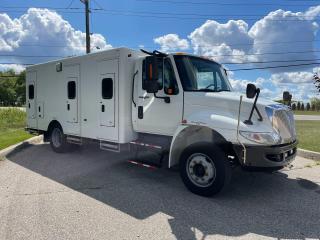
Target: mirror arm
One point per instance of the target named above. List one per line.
(166, 99)
(254, 107)
(132, 93)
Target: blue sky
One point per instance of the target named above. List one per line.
(166, 25)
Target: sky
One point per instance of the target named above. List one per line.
(239, 34)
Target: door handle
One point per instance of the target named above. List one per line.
(68, 106)
(29, 105)
(140, 112)
(39, 109)
(102, 108)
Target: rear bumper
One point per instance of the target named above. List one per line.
(267, 156)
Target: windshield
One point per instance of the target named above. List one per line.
(197, 74)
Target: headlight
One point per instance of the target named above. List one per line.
(262, 137)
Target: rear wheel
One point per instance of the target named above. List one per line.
(58, 140)
(204, 169)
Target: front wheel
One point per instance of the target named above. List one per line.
(204, 169)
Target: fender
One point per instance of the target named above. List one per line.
(199, 127)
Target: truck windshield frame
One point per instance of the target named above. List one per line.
(201, 75)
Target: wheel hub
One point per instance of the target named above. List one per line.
(201, 169)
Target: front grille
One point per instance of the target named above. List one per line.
(283, 122)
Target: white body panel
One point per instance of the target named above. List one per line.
(82, 116)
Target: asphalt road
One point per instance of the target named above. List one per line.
(307, 117)
(90, 194)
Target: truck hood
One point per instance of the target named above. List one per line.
(223, 104)
(226, 100)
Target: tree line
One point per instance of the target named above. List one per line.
(313, 105)
(12, 88)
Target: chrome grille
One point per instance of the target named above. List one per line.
(283, 122)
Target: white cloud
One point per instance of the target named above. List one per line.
(171, 42)
(294, 28)
(37, 31)
(17, 68)
(213, 38)
(292, 78)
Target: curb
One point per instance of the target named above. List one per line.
(308, 154)
(19, 146)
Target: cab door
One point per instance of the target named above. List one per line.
(154, 114)
(32, 99)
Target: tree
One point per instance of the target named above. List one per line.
(21, 87)
(12, 88)
(308, 106)
(298, 106)
(316, 79)
(302, 106)
(316, 103)
(313, 107)
(294, 106)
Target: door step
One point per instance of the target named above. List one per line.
(142, 164)
(110, 146)
(74, 140)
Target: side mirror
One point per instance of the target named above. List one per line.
(286, 96)
(151, 79)
(251, 90)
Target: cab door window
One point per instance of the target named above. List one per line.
(169, 78)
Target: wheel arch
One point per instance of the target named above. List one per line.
(51, 125)
(188, 135)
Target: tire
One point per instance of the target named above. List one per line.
(205, 169)
(58, 140)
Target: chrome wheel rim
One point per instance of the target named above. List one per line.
(201, 169)
(56, 137)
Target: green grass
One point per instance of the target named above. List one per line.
(309, 135)
(12, 123)
(307, 112)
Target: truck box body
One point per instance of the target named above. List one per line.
(79, 96)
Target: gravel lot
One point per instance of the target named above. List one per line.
(91, 194)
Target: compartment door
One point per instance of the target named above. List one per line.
(72, 74)
(106, 101)
(32, 99)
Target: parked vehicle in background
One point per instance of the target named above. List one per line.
(179, 105)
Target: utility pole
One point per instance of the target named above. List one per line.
(87, 12)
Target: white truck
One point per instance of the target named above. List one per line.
(179, 105)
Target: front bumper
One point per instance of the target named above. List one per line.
(267, 156)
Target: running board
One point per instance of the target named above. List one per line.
(109, 146)
(146, 145)
(74, 140)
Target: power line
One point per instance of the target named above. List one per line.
(271, 67)
(226, 4)
(276, 61)
(10, 63)
(258, 54)
(70, 4)
(167, 16)
(221, 55)
(100, 8)
(208, 45)
(33, 56)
